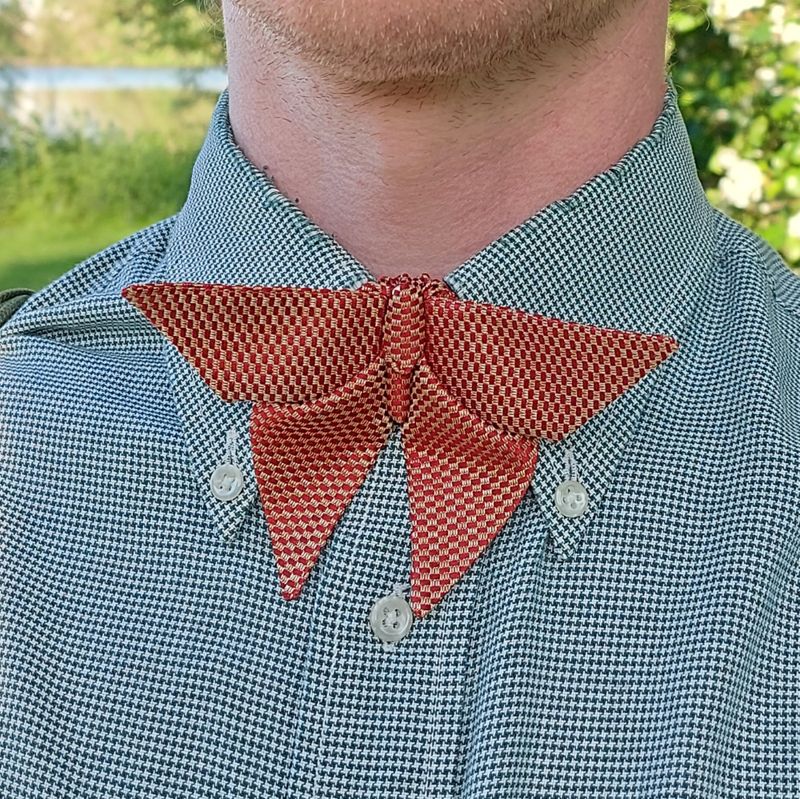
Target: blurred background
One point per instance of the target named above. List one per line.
(104, 104)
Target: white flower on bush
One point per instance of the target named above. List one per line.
(785, 33)
(743, 183)
(726, 157)
(793, 226)
(791, 33)
(767, 75)
(736, 40)
(724, 10)
(777, 15)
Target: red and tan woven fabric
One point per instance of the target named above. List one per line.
(329, 372)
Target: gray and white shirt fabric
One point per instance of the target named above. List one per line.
(644, 644)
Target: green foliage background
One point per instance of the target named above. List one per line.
(736, 64)
(121, 32)
(738, 80)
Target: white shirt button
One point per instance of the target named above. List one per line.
(571, 498)
(391, 618)
(226, 482)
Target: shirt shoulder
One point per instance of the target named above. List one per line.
(742, 248)
(76, 359)
(85, 303)
(76, 344)
(753, 320)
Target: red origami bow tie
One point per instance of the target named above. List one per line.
(475, 386)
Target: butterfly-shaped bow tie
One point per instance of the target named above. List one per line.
(329, 372)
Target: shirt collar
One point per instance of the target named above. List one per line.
(631, 249)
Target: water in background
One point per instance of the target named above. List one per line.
(163, 100)
(34, 79)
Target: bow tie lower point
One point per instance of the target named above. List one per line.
(330, 372)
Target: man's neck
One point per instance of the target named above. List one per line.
(420, 184)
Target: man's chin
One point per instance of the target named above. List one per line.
(425, 43)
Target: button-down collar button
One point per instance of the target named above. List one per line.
(571, 498)
(391, 618)
(226, 482)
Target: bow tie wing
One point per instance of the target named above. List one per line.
(465, 478)
(310, 361)
(494, 381)
(271, 344)
(310, 460)
(534, 375)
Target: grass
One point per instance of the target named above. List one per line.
(36, 254)
(63, 199)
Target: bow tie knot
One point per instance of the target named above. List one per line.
(404, 334)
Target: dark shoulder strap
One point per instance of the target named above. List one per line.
(11, 300)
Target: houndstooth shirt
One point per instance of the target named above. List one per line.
(647, 647)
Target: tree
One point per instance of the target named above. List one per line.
(185, 27)
(736, 65)
(11, 19)
(124, 33)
